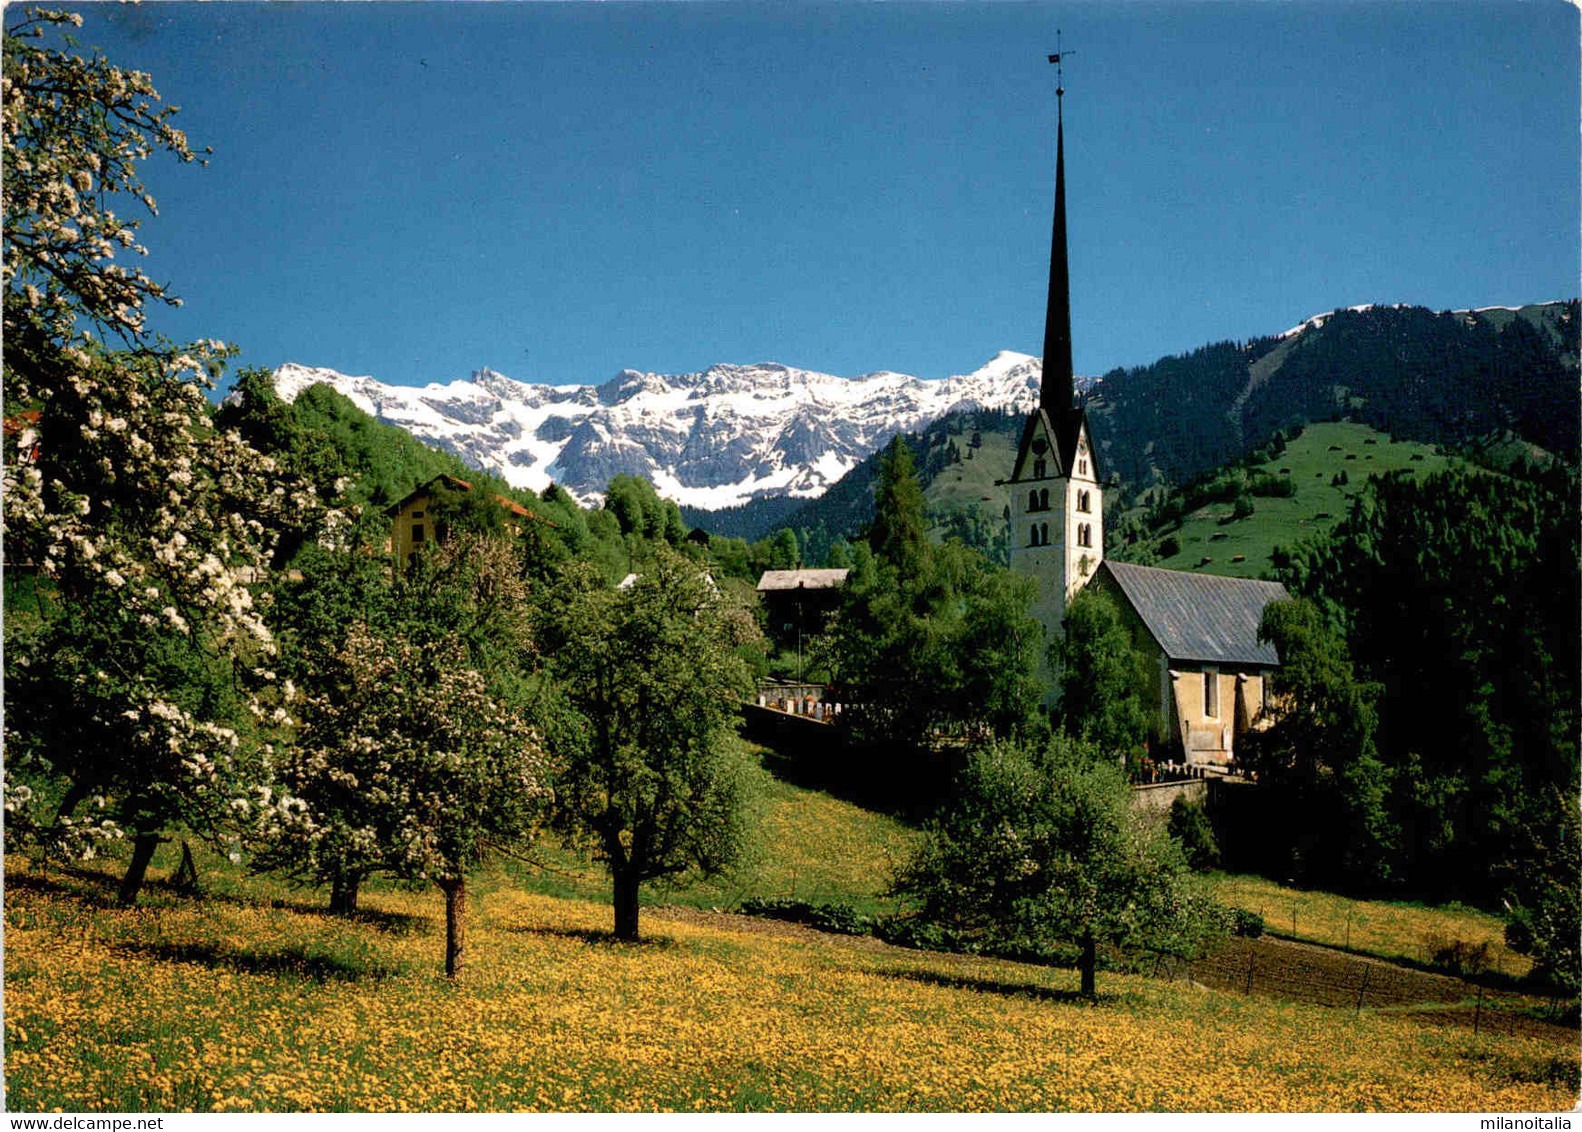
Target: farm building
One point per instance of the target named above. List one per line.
(415, 523)
(799, 599)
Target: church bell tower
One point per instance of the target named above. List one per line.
(1056, 504)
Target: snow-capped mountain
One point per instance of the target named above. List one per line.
(709, 440)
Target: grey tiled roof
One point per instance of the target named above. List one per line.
(1200, 617)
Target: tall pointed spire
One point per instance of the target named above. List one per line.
(1056, 391)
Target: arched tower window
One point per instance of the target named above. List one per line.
(1032, 501)
(1039, 469)
(1043, 500)
(1032, 535)
(1083, 501)
(1043, 534)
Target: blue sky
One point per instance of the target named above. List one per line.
(561, 191)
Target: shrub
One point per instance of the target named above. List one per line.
(1272, 486)
(1458, 956)
(833, 917)
(1246, 924)
(1190, 826)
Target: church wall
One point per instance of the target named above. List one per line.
(1214, 705)
(1177, 696)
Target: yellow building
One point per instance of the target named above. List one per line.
(414, 524)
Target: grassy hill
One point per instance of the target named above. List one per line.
(813, 846)
(254, 999)
(1312, 462)
(1451, 377)
(1446, 377)
(963, 499)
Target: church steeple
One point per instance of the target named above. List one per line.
(1055, 514)
(1056, 393)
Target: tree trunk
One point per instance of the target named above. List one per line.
(186, 878)
(143, 846)
(73, 798)
(626, 884)
(1087, 965)
(455, 924)
(343, 894)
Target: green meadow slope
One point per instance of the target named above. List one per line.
(1212, 540)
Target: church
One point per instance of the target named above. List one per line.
(1199, 631)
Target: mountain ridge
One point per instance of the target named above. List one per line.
(757, 436)
(1451, 377)
(715, 438)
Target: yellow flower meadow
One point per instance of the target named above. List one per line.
(236, 1004)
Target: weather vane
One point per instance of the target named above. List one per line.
(1060, 72)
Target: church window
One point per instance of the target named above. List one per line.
(1084, 534)
(1211, 694)
(1032, 535)
(1043, 534)
(1032, 501)
(1082, 467)
(1039, 469)
(1083, 503)
(1043, 500)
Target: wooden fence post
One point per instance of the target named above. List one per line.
(1367, 969)
(1251, 955)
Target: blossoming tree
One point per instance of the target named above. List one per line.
(404, 764)
(142, 527)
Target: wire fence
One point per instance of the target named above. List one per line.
(1312, 974)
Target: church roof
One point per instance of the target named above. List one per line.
(1200, 617)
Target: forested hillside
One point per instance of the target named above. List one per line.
(1453, 772)
(323, 436)
(1452, 379)
(1446, 378)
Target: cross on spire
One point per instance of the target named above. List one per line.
(1060, 72)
